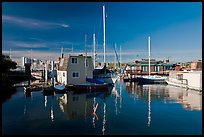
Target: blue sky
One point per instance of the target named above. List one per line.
(175, 29)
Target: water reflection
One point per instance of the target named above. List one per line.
(82, 106)
(105, 112)
(149, 107)
(117, 96)
(190, 99)
(45, 101)
(104, 117)
(76, 106)
(52, 114)
(95, 116)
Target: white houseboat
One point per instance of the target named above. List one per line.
(186, 79)
(78, 71)
(75, 69)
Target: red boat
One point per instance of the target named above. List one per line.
(90, 87)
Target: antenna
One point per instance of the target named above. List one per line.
(10, 53)
(72, 49)
(62, 54)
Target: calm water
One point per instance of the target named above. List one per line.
(128, 109)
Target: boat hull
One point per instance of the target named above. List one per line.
(177, 83)
(151, 80)
(90, 87)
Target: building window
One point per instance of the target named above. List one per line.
(63, 74)
(144, 68)
(75, 74)
(158, 68)
(74, 61)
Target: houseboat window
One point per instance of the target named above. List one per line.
(75, 74)
(74, 60)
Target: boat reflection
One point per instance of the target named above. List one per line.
(190, 99)
(83, 106)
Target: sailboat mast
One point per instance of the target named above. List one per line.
(94, 50)
(104, 35)
(120, 58)
(115, 57)
(85, 61)
(149, 52)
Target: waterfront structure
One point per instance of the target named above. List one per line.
(157, 67)
(149, 78)
(186, 79)
(196, 65)
(74, 69)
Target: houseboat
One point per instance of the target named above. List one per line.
(77, 71)
(186, 79)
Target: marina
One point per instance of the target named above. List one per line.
(63, 75)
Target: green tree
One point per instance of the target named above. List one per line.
(7, 63)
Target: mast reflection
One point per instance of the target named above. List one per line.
(104, 117)
(149, 107)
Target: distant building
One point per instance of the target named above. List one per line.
(196, 65)
(178, 67)
(75, 69)
(141, 67)
(25, 60)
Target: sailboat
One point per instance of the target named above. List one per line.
(150, 79)
(104, 74)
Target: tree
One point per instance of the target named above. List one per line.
(7, 63)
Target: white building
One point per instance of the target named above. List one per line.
(75, 69)
(186, 79)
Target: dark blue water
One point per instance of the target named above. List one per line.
(128, 109)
